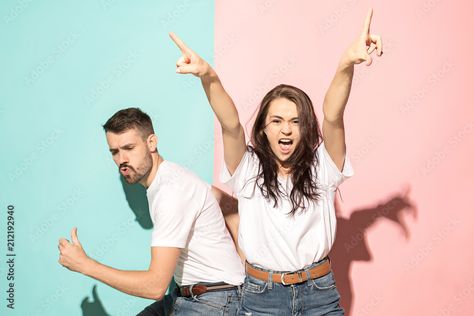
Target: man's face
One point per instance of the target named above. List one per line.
(132, 154)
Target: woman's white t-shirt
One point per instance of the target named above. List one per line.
(268, 236)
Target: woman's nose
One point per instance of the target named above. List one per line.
(286, 128)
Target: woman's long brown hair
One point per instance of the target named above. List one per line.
(301, 162)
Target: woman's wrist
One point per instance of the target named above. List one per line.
(345, 63)
(209, 74)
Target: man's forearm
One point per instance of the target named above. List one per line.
(146, 284)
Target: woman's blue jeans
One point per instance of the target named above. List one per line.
(313, 297)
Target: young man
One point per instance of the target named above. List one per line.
(189, 235)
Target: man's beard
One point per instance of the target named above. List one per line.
(136, 175)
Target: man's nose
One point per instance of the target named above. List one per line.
(122, 158)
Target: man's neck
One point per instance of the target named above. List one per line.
(157, 160)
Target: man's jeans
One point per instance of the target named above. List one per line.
(225, 302)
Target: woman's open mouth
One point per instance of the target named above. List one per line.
(285, 145)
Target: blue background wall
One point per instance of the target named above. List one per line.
(65, 68)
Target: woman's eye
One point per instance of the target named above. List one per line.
(275, 121)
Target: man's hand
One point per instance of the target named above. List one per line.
(189, 62)
(71, 254)
(151, 283)
(366, 43)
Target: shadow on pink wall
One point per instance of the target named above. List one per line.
(351, 240)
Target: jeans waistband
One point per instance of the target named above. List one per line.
(312, 271)
(310, 266)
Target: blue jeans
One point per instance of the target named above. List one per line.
(164, 307)
(313, 297)
(224, 302)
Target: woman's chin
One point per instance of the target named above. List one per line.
(283, 157)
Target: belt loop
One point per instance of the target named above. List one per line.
(308, 274)
(191, 291)
(270, 279)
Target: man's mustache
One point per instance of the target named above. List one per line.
(123, 165)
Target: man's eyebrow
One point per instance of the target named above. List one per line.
(127, 145)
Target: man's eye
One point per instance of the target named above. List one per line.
(275, 121)
(296, 122)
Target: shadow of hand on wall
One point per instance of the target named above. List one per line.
(351, 240)
(94, 307)
(137, 200)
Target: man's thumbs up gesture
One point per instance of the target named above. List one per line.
(71, 254)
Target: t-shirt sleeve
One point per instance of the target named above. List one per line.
(329, 174)
(174, 213)
(247, 167)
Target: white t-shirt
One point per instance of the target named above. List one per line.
(268, 236)
(186, 215)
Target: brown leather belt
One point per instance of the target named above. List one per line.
(288, 278)
(198, 289)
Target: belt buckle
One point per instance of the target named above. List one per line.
(300, 277)
(282, 278)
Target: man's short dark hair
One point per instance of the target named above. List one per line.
(127, 119)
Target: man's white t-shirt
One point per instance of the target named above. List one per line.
(186, 215)
(268, 236)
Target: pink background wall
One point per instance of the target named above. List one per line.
(406, 224)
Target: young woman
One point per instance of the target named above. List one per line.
(285, 182)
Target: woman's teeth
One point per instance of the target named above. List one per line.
(285, 145)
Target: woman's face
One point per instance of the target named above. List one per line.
(282, 128)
